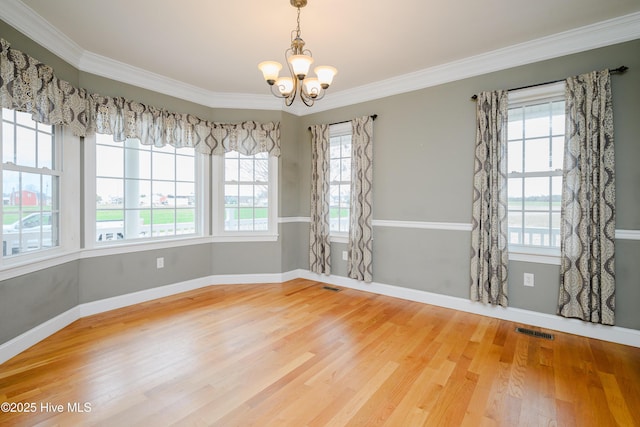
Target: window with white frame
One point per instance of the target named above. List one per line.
(340, 178)
(247, 188)
(536, 131)
(144, 191)
(31, 176)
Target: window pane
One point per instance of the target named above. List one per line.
(515, 128)
(514, 159)
(334, 170)
(169, 149)
(24, 119)
(46, 201)
(137, 224)
(8, 153)
(163, 166)
(536, 193)
(536, 155)
(109, 161)
(261, 196)
(334, 148)
(557, 153)
(185, 221)
(11, 199)
(185, 168)
(246, 195)
(163, 222)
(145, 196)
(346, 146)
(556, 193)
(185, 194)
(558, 117)
(109, 225)
(26, 147)
(107, 140)
(246, 170)
(45, 150)
(514, 191)
(536, 225)
(345, 170)
(246, 218)
(231, 216)
(231, 171)
(261, 170)
(138, 164)
(515, 228)
(555, 229)
(109, 193)
(537, 121)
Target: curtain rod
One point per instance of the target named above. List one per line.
(619, 70)
(373, 116)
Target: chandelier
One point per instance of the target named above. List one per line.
(299, 60)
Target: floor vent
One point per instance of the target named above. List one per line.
(329, 288)
(536, 334)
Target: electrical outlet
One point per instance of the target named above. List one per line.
(345, 256)
(160, 262)
(529, 279)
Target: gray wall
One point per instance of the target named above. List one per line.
(423, 172)
(423, 164)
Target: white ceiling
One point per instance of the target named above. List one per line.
(214, 46)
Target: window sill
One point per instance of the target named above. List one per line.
(29, 264)
(339, 238)
(538, 256)
(122, 246)
(238, 238)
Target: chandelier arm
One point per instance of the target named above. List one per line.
(297, 84)
(276, 92)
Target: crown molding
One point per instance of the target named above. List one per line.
(612, 31)
(24, 19)
(605, 33)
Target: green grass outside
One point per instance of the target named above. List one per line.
(11, 214)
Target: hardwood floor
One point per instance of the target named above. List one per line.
(295, 354)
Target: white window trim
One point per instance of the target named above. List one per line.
(219, 234)
(518, 98)
(68, 170)
(339, 129)
(202, 173)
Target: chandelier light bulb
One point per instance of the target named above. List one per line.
(285, 85)
(270, 70)
(299, 59)
(312, 86)
(300, 65)
(325, 75)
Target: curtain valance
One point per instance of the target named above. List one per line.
(30, 86)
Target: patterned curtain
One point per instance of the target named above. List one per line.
(319, 244)
(360, 247)
(489, 235)
(30, 86)
(587, 288)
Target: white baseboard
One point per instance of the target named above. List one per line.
(614, 334)
(22, 342)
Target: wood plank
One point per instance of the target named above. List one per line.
(294, 354)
